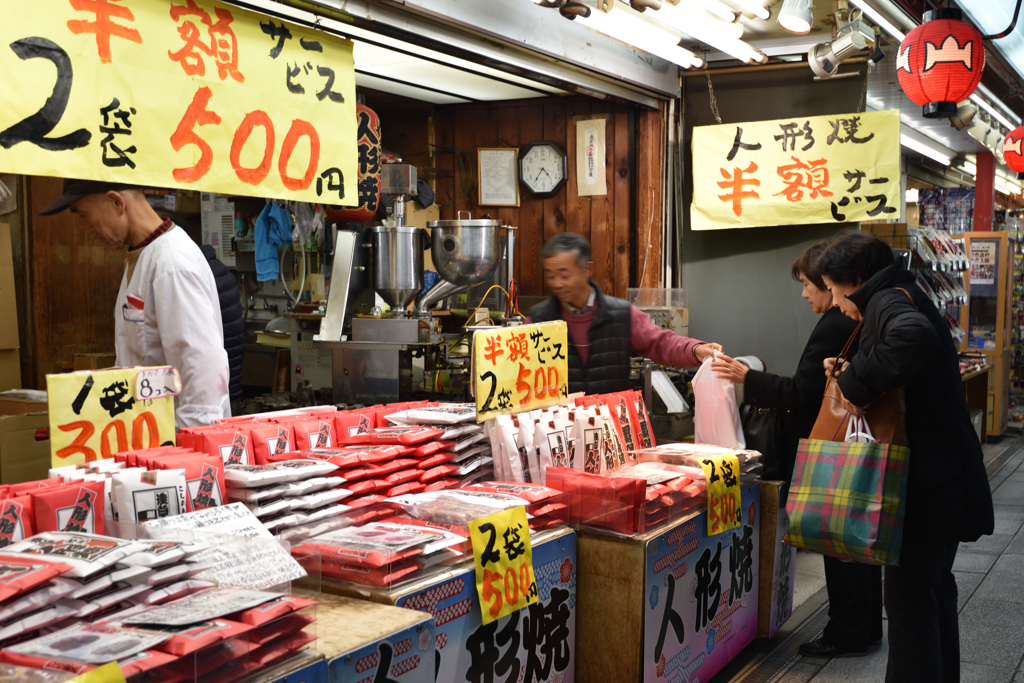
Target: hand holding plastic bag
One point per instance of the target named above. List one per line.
(716, 411)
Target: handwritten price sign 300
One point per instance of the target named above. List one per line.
(520, 368)
(178, 93)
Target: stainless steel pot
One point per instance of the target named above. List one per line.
(465, 252)
(398, 264)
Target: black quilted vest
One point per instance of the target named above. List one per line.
(607, 368)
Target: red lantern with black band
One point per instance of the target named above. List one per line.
(365, 206)
(1013, 151)
(940, 62)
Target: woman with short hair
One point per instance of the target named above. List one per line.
(904, 342)
(854, 590)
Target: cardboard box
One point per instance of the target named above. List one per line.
(22, 458)
(10, 369)
(8, 301)
(94, 361)
(11, 405)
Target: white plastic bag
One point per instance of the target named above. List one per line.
(716, 413)
(858, 431)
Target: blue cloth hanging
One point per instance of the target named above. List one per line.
(273, 229)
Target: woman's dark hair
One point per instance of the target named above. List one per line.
(805, 263)
(853, 258)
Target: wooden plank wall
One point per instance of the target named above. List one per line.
(74, 281)
(607, 221)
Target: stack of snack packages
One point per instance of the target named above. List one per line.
(132, 487)
(76, 634)
(425, 532)
(294, 499)
(418, 448)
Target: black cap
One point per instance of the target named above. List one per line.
(76, 189)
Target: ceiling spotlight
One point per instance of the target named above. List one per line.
(825, 58)
(963, 116)
(795, 16)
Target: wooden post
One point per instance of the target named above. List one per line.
(649, 197)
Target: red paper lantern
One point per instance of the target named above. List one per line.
(940, 62)
(1013, 151)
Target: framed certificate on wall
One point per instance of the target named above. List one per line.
(498, 179)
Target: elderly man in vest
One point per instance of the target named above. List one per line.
(603, 331)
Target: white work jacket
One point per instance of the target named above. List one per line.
(168, 313)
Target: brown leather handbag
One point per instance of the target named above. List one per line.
(886, 416)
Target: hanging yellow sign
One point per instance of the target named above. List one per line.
(516, 369)
(722, 478)
(96, 413)
(817, 169)
(193, 94)
(503, 557)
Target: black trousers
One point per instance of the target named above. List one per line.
(854, 603)
(920, 601)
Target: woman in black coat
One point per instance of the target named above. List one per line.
(854, 590)
(904, 342)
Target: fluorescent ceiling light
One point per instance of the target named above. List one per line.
(911, 195)
(754, 7)
(634, 28)
(1008, 122)
(795, 16)
(693, 21)
(969, 167)
(884, 23)
(714, 34)
(925, 149)
(715, 7)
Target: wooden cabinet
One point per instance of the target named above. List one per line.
(989, 316)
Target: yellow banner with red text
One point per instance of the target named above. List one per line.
(818, 169)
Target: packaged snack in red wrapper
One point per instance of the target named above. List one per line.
(442, 484)
(366, 486)
(365, 501)
(347, 423)
(377, 453)
(409, 487)
(269, 611)
(404, 436)
(282, 628)
(439, 472)
(44, 663)
(20, 574)
(188, 639)
(18, 489)
(86, 554)
(136, 667)
(643, 420)
(16, 516)
(371, 545)
(314, 434)
(621, 414)
(528, 493)
(204, 479)
(403, 476)
(430, 448)
(435, 460)
(72, 507)
(378, 577)
(607, 502)
(271, 440)
(382, 470)
(234, 446)
(612, 436)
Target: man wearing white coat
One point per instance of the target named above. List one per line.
(167, 310)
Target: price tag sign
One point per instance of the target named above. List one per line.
(722, 476)
(157, 383)
(95, 413)
(503, 557)
(108, 673)
(516, 369)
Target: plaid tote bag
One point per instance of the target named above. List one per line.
(848, 499)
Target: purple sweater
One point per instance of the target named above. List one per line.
(646, 339)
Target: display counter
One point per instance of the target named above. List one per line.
(669, 604)
(541, 638)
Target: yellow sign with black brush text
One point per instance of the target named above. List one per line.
(503, 558)
(518, 369)
(193, 94)
(722, 478)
